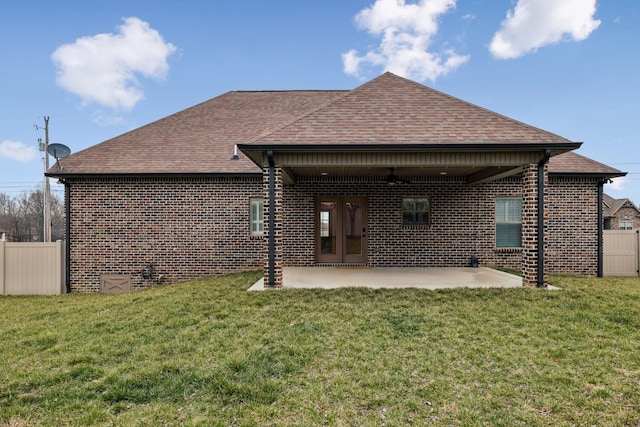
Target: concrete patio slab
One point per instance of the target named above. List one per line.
(392, 277)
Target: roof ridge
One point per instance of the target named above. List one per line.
(298, 118)
(617, 204)
(318, 108)
(387, 74)
(518, 122)
(289, 90)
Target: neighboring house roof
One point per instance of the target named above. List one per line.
(612, 206)
(389, 111)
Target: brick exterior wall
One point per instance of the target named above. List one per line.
(462, 225)
(572, 211)
(191, 227)
(186, 227)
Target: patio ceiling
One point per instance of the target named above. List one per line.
(479, 164)
(383, 171)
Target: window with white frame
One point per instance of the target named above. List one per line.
(626, 224)
(509, 222)
(257, 217)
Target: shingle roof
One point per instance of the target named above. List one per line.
(386, 110)
(199, 139)
(392, 109)
(612, 206)
(572, 163)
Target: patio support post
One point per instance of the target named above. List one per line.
(600, 227)
(273, 270)
(67, 235)
(542, 176)
(534, 221)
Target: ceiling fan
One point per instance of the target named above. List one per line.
(393, 179)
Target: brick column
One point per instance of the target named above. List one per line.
(277, 229)
(530, 224)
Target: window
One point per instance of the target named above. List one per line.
(257, 217)
(415, 211)
(626, 224)
(325, 221)
(509, 223)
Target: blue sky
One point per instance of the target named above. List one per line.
(101, 68)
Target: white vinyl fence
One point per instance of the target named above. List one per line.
(32, 268)
(621, 250)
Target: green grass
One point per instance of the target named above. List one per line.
(209, 353)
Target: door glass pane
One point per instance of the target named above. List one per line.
(327, 223)
(353, 227)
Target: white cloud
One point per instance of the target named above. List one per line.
(618, 184)
(104, 119)
(17, 150)
(536, 23)
(406, 31)
(103, 68)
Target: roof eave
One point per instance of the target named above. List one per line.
(65, 175)
(252, 150)
(604, 175)
(407, 146)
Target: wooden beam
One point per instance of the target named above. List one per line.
(492, 174)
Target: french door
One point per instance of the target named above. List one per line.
(341, 230)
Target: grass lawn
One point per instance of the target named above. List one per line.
(209, 353)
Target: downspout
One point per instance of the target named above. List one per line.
(272, 219)
(67, 235)
(600, 227)
(547, 154)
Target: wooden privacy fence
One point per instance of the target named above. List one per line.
(32, 268)
(621, 250)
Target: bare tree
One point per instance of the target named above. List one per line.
(7, 216)
(22, 217)
(58, 216)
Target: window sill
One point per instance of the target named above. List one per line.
(415, 227)
(508, 250)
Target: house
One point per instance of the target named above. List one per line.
(620, 214)
(391, 173)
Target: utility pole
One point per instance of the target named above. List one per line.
(47, 186)
(46, 230)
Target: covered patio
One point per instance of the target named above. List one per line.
(393, 278)
(395, 174)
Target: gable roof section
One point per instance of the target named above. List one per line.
(572, 163)
(612, 206)
(393, 110)
(197, 140)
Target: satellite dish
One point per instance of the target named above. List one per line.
(59, 151)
